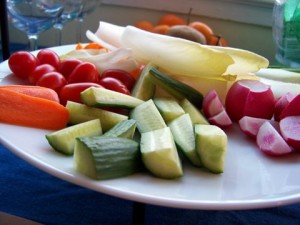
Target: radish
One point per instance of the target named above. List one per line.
(250, 125)
(281, 103)
(292, 109)
(290, 130)
(221, 119)
(270, 141)
(212, 104)
(249, 98)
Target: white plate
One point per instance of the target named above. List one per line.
(251, 179)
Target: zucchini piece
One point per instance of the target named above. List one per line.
(178, 89)
(183, 132)
(211, 145)
(147, 117)
(101, 97)
(159, 154)
(81, 113)
(103, 158)
(169, 108)
(144, 89)
(195, 114)
(124, 129)
(64, 140)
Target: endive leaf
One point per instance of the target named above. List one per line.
(175, 55)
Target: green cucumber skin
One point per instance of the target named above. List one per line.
(176, 88)
(124, 129)
(64, 140)
(112, 157)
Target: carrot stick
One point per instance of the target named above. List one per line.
(25, 110)
(34, 91)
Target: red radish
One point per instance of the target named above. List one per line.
(290, 130)
(250, 125)
(281, 103)
(270, 141)
(212, 104)
(292, 109)
(249, 98)
(221, 119)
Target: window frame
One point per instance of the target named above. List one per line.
(258, 12)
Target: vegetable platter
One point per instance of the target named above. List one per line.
(250, 179)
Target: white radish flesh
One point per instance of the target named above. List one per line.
(290, 130)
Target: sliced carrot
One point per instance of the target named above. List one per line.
(79, 46)
(20, 109)
(34, 91)
(93, 45)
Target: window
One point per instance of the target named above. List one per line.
(257, 12)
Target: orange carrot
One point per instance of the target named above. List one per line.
(79, 46)
(20, 109)
(93, 45)
(34, 91)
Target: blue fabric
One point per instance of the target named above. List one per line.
(28, 192)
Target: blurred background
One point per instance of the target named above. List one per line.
(244, 24)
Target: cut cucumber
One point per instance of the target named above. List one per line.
(101, 97)
(124, 129)
(211, 145)
(195, 114)
(159, 154)
(178, 89)
(106, 157)
(81, 113)
(64, 140)
(169, 108)
(184, 136)
(144, 89)
(147, 117)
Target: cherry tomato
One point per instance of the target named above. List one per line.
(53, 80)
(121, 75)
(71, 92)
(114, 85)
(48, 56)
(67, 66)
(39, 71)
(84, 72)
(22, 63)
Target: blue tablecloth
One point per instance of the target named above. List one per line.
(30, 193)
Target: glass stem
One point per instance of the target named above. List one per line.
(33, 38)
(80, 21)
(59, 28)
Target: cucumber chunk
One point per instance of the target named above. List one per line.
(81, 113)
(144, 89)
(147, 117)
(124, 129)
(178, 89)
(211, 145)
(196, 116)
(184, 136)
(101, 97)
(103, 158)
(64, 140)
(159, 154)
(169, 108)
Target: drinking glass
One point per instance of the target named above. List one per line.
(72, 9)
(88, 6)
(34, 16)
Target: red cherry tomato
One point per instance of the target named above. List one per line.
(84, 72)
(39, 71)
(114, 85)
(53, 80)
(48, 56)
(71, 92)
(67, 66)
(121, 75)
(22, 63)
